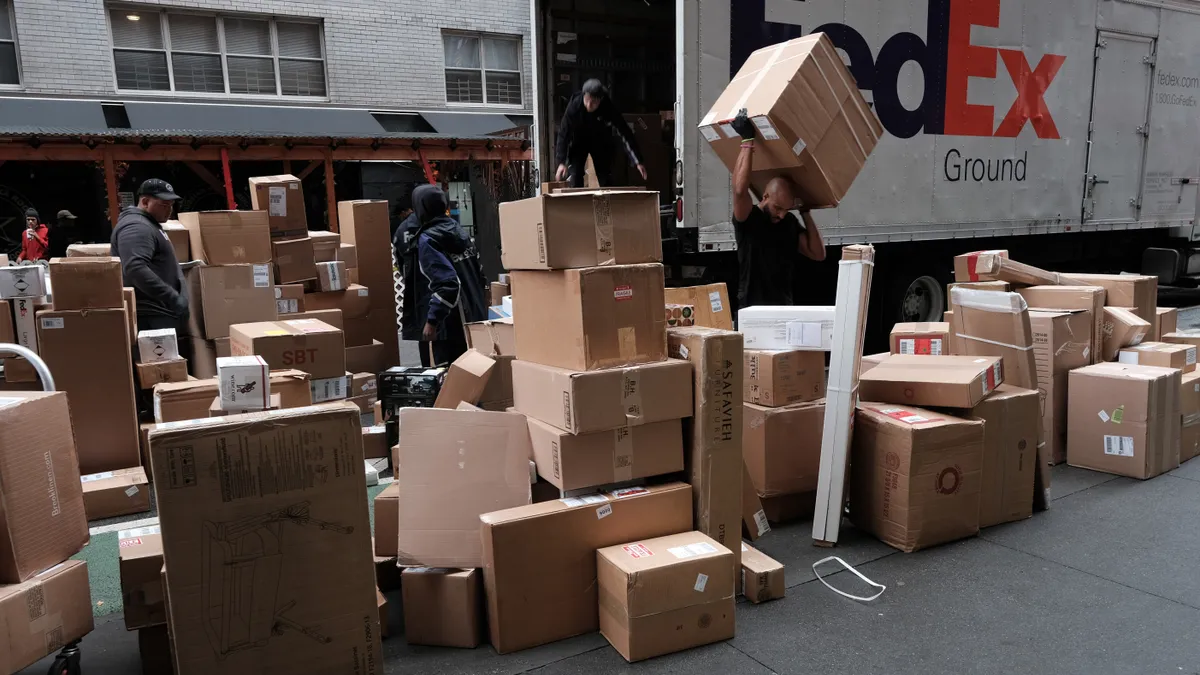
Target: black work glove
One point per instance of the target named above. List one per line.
(743, 125)
(180, 306)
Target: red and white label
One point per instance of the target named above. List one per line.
(928, 346)
(906, 416)
(628, 492)
(993, 377)
(638, 551)
(623, 293)
(129, 543)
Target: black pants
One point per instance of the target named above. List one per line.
(602, 159)
(444, 351)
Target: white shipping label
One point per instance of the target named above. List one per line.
(1103, 416)
(586, 499)
(727, 129)
(1130, 357)
(278, 292)
(1191, 356)
(714, 300)
(95, 477)
(131, 491)
(278, 197)
(799, 147)
(683, 351)
(765, 128)
(760, 521)
(701, 582)
(604, 512)
(1121, 446)
(710, 134)
(51, 322)
(681, 552)
(702, 548)
(139, 532)
(290, 306)
(363, 292)
(809, 334)
(262, 276)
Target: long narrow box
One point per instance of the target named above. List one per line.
(367, 225)
(140, 557)
(1010, 439)
(809, 328)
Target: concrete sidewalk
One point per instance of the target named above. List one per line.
(1107, 581)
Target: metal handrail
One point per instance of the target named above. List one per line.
(29, 355)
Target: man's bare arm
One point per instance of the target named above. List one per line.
(811, 244)
(742, 202)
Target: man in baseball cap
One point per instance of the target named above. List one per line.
(148, 262)
(63, 233)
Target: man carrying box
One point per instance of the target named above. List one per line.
(768, 235)
(148, 262)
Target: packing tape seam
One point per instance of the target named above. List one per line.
(741, 102)
(1191, 420)
(858, 103)
(848, 566)
(602, 221)
(994, 342)
(829, 85)
(988, 301)
(871, 263)
(623, 449)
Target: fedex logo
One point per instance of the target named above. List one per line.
(947, 59)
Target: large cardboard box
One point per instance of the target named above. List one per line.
(1010, 440)
(42, 522)
(116, 493)
(1122, 328)
(586, 401)
(1127, 290)
(86, 283)
(1166, 320)
(580, 229)
(307, 344)
(809, 328)
(1124, 419)
(496, 337)
(1061, 343)
(941, 381)
(782, 447)
(263, 536)
(664, 595)
(354, 301)
(711, 303)
(443, 607)
(917, 475)
(367, 225)
(1161, 354)
(498, 394)
(988, 323)
(387, 520)
(1189, 407)
(813, 124)
(540, 560)
(713, 435)
(282, 198)
(44, 614)
(89, 355)
(573, 462)
(141, 561)
(220, 296)
(178, 401)
(294, 260)
(1090, 298)
(586, 319)
(775, 378)
(931, 338)
(453, 466)
(228, 237)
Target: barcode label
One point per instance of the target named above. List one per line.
(278, 201)
(760, 521)
(925, 346)
(1120, 446)
(714, 301)
(262, 276)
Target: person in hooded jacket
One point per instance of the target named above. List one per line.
(148, 262)
(443, 280)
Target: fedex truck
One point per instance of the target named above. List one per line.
(1063, 130)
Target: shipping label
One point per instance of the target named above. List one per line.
(638, 551)
(1120, 446)
(278, 201)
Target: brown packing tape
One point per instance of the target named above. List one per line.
(627, 343)
(1191, 420)
(631, 393)
(602, 217)
(623, 454)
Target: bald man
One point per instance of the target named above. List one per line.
(770, 239)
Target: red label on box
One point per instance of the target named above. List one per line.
(906, 416)
(926, 346)
(638, 551)
(628, 492)
(128, 543)
(623, 292)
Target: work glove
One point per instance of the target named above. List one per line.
(743, 125)
(180, 306)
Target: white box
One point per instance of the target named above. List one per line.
(159, 345)
(244, 383)
(27, 281)
(805, 328)
(24, 323)
(328, 389)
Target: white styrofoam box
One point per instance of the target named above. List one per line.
(770, 327)
(26, 281)
(372, 473)
(506, 303)
(244, 383)
(157, 345)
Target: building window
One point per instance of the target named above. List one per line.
(482, 69)
(10, 74)
(214, 54)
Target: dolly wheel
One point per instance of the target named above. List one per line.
(67, 662)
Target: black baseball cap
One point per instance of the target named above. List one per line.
(66, 215)
(159, 189)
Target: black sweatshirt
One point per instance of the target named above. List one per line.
(148, 263)
(580, 130)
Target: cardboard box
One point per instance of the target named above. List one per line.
(775, 378)
(25, 322)
(1161, 354)
(452, 466)
(582, 402)
(762, 578)
(228, 237)
(497, 291)
(1060, 344)
(713, 436)
(329, 389)
(808, 328)
(1187, 337)
(331, 276)
(680, 315)
(498, 394)
(917, 475)
(348, 253)
(1010, 441)
(711, 303)
(539, 560)
(871, 360)
(465, 380)
(294, 540)
(573, 462)
(664, 595)
(1166, 320)
(325, 244)
(367, 225)
(997, 266)
(580, 229)
(115, 493)
(84, 251)
(333, 317)
(358, 332)
(375, 442)
(813, 124)
(754, 518)
(179, 238)
(243, 383)
(370, 358)
(1124, 419)
(157, 345)
(594, 318)
(86, 283)
(189, 400)
(1122, 328)
(223, 295)
(1189, 406)
(43, 520)
(28, 281)
(354, 301)
(44, 614)
(387, 520)
(1002, 286)
(932, 338)
(289, 299)
(141, 562)
(150, 374)
(443, 607)
(294, 260)
(940, 381)
(202, 363)
(496, 337)
(282, 198)
(1090, 298)
(1127, 290)
(130, 306)
(88, 354)
(782, 447)
(7, 333)
(987, 323)
(308, 344)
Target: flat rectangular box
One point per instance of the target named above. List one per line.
(331, 276)
(367, 225)
(496, 337)
(294, 260)
(157, 345)
(325, 244)
(573, 462)
(932, 338)
(917, 475)
(754, 518)
(711, 303)
(997, 266)
(189, 400)
(1127, 290)
(540, 561)
(43, 521)
(141, 561)
(44, 614)
(375, 442)
(115, 493)
(466, 379)
(1189, 406)
(86, 250)
(1010, 437)
(28, 281)
(308, 344)
(775, 378)
(1161, 354)
(220, 296)
(243, 383)
(1124, 419)
(580, 229)
(941, 381)
(354, 301)
(387, 520)
(228, 237)
(180, 241)
(1061, 343)
(289, 299)
(1122, 328)
(282, 198)
(599, 400)
(348, 253)
(587, 319)
(317, 537)
(86, 283)
(808, 328)
(203, 360)
(762, 578)
(988, 323)
(1166, 320)
(443, 607)
(1187, 337)
(1090, 298)
(782, 447)
(370, 358)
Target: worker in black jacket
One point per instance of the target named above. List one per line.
(443, 284)
(586, 129)
(148, 262)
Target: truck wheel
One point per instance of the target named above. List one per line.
(924, 299)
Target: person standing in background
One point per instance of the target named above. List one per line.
(64, 233)
(148, 261)
(35, 240)
(587, 128)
